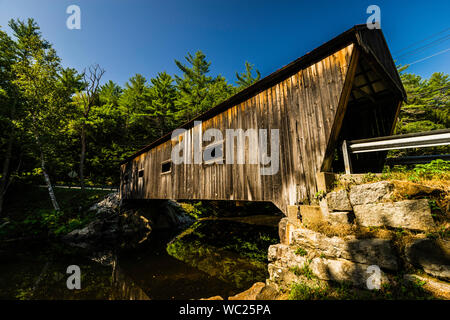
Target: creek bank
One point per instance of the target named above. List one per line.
(117, 223)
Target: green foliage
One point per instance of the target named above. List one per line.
(246, 78)
(198, 91)
(162, 98)
(195, 209)
(428, 108)
(301, 252)
(34, 216)
(319, 195)
(436, 169)
(305, 271)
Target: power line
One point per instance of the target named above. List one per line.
(426, 58)
(420, 41)
(429, 45)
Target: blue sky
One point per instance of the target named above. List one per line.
(131, 36)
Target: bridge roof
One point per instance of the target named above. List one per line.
(371, 41)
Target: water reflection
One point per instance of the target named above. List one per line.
(124, 288)
(214, 257)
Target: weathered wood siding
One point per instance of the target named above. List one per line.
(303, 107)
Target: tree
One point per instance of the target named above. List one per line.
(134, 104)
(162, 97)
(428, 103)
(246, 78)
(86, 100)
(427, 108)
(8, 110)
(110, 94)
(37, 70)
(197, 91)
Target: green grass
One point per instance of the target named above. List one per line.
(303, 271)
(302, 291)
(396, 290)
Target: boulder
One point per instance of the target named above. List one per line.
(437, 288)
(285, 255)
(171, 216)
(409, 214)
(411, 189)
(101, 229)
(371, 192)
(281, 278)
(431, 255)
(341, 270)
(269, 292)
(338, 201)
(213, 298)
(368, 251)
(340, 218)
(311, 214)
(249, 294)
(282, 274)
(110, 203)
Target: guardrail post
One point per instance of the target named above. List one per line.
(347, 160)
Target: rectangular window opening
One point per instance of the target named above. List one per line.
(141, 173)
(213, 153)
(166, 166)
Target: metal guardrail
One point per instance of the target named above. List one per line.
(404, 141)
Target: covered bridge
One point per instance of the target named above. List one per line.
(346, 89)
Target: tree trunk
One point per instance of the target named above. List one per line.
(82, 157)
(44, 170)
(49, 184)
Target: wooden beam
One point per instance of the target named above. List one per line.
(341, 109)
(347, 160)
(399, 106)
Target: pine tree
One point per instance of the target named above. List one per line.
(197, 91)
(193, 86)
(162, 97)
(246, 78)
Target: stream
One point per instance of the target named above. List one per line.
(212, 257)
